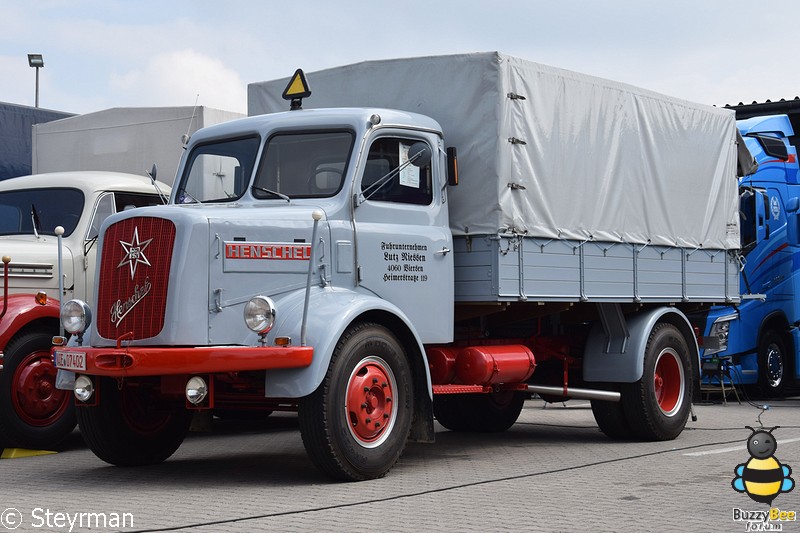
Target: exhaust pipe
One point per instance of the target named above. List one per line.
(581, 394)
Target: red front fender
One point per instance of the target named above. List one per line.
(22, 309)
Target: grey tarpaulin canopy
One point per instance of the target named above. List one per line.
(553, 153)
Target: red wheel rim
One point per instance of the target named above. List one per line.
(668, 382)
(370, 403)
(35, 398)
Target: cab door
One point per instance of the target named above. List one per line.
(404, 244)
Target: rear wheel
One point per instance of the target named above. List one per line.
(657, 406)
(33, 412)
(610, 418)
(356, 424)
(772, 364)
(132, 424)
(488, 413)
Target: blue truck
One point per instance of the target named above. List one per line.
(755, 343)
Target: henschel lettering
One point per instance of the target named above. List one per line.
(120, 309)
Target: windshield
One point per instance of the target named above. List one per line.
(46, 208)
(293, 165)
(298, 165)
(218, 171)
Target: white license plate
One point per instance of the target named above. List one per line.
(71, 360)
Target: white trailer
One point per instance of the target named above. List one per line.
(128, 139)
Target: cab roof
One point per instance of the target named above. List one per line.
(87, 181)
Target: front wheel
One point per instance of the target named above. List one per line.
(356, 424)
(657, 406)
(772, 362)
(133, 424)
(33, 412)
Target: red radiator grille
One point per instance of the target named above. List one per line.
(134, 274)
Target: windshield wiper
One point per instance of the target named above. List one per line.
(35, 220)
(275, 193)
(185, 194)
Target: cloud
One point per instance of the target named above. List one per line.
(178, 78)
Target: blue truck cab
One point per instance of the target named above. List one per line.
(755, 342)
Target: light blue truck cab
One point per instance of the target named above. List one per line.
(755, 343)
(343, 260)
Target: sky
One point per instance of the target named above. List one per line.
(102, 54)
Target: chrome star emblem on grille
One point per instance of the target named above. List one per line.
(134, 252)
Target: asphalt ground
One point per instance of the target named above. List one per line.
(552, 471)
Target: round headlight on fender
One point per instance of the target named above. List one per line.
(259, 314)
(76, 317)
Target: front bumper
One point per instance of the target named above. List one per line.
(161, 361)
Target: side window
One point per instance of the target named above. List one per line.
(103, 210)
(384, 183)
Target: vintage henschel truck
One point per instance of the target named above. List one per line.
(343, 261)
(33, 412)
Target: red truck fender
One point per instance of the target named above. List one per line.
(22, 309)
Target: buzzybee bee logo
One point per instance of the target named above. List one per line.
(762, 477)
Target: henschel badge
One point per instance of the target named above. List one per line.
(134, 252)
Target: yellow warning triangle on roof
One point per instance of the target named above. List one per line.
(297, 87)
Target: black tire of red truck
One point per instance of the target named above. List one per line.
(356, 424)
(132, 424)
(33, 413)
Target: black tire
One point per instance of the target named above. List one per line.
(451, 412)
(480, 413)
(242, 415)
(610, 418)
(134, 425)
(352, 428)
(772, 364)
(33, 413)
(657, 406)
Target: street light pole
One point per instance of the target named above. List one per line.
(36, 61)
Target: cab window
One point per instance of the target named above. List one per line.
(382, 182)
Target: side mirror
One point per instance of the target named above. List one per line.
(419, 154)
(452, 166)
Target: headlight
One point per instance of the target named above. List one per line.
(719, 331)
(259, 314)
(196, 390)
(76, 316)
(83, 388)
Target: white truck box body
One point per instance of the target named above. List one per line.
(601, 160)
(126, 139)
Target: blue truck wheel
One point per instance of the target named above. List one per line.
(772, 363)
